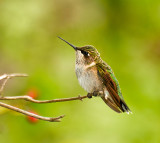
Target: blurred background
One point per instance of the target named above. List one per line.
(126, 33)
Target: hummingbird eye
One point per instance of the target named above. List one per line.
(85, 53)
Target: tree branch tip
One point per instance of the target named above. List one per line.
(18, 75)
(58, 119)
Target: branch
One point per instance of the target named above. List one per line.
(56, 119)
(28, 98)
(6, 77)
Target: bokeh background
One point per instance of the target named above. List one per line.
(126, 33)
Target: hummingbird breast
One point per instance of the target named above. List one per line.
(88, 77)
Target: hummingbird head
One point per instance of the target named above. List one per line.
(86, 54)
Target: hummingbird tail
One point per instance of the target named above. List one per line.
(116, 100)
(125, 107)
(111, 104)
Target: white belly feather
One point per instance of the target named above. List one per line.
(88, 79)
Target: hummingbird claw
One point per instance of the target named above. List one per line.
(89, 95)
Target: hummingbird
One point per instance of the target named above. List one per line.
(97, 77)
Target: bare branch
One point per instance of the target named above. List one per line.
(50, 119)
(6, 77)
(28, 98)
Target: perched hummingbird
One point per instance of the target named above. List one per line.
(97, 77)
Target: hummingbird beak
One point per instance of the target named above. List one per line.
(74, 47)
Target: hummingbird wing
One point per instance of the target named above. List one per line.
(116, 102)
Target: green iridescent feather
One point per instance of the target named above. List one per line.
(103, 67)
(107, 68)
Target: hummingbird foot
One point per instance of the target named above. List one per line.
(95, 93)
(89, 95)
(98, 93)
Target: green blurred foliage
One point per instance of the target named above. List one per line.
(126, 33)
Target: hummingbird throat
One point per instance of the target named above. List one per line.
(83, 60)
